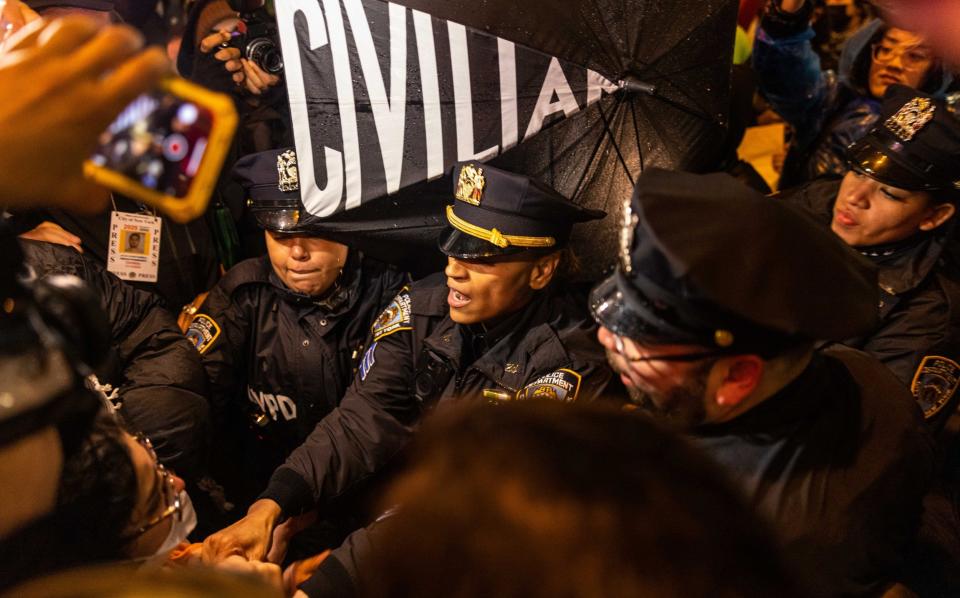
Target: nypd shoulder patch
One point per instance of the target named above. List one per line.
(934, 383)
(395, 317)
(369, 358)
(561, 385)
(202, 332)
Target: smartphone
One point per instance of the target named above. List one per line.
(166, 148)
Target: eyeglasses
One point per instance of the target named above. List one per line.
(165, 484)
(620, 348)
(913, 58)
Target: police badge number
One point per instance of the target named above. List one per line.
(935, 383)
(470, 185)
(561, 385)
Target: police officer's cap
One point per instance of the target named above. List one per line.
(706, 261)
(915, 144)
(496, 212)
(271, 182)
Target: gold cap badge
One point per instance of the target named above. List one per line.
(470, 184)
(723, 338)
(288, 177)
(911, 118)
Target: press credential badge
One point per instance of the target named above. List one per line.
(134, 253)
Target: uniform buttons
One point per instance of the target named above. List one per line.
(306, 343)
(323, 322)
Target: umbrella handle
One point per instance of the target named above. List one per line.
(634, 85)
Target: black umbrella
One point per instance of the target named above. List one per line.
(581, 94)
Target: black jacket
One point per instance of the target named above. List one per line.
(161, 383)
(919, 334)
(279, 361)
(839, 461)
(188, 256)
(420, 357)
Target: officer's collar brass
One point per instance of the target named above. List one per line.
(288, 177)
(470, 184)
(911, 118)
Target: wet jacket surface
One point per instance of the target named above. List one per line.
(279, 361)
(826, 110)
(161, 383)
(839, 461)
(548, 349)
(919, 333)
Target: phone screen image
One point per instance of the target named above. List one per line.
(159, 141)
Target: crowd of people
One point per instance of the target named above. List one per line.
(759, 398)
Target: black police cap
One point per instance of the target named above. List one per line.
(707, 261)
(496, 212)
(915, 144)
(271, 182)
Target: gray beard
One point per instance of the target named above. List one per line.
(681, 407)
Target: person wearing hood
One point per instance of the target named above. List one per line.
(896, 204)
(280, 336)
(828, 111)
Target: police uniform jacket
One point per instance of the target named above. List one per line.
(919, 334)
(279, 361)
(160, 382)
(547, 350)
(839, 461)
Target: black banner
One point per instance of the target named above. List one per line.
(383, 96)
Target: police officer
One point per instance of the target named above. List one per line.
(711, 320)
(281, 335)
(897, 206)
(497, 325)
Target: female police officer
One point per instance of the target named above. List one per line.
(280, 335)
(498, 326)
(897, 205)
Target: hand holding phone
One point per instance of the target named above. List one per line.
(166, 148)
(65, 80)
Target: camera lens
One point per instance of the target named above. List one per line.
(265, 54)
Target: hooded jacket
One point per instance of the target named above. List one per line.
(826, 110)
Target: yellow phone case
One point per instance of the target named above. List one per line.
(182, 209)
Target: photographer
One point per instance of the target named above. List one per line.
(236, 52)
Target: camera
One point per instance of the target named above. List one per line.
(256, 35)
